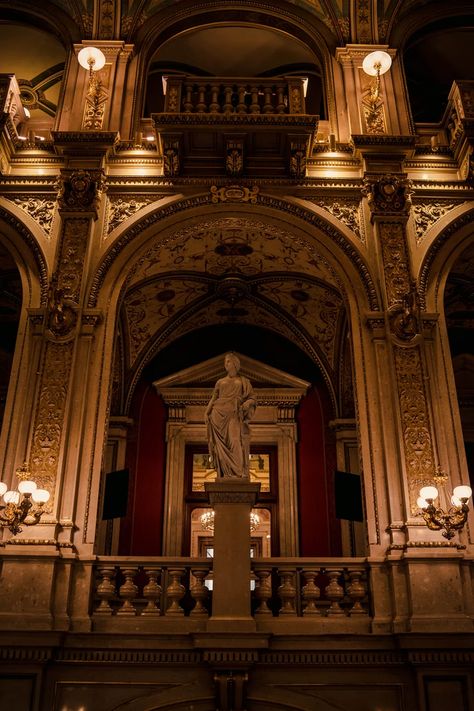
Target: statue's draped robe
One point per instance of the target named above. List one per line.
(228, 430)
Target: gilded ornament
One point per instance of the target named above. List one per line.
(120, 209)
(405, 319)
(395, 261)
(388, 195)
(344, 209)
(80, 190)
(427, 213)
(234, 193)
(40, 208)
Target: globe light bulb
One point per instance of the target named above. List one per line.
(11, 497)
(26, 487)
(429, 492)
(462, 492)
(3, 488)
(40, 496)
(422, 503)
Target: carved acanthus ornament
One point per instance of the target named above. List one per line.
(395, 261)
(388, 195)
(298, 149)
(94, 109)
(80, 190)
(39, 207)
(427, 213)
(120, 208)
(71, 257)
(344, 209)
(171, 156)
(234, 160)
(49, 415)
(415, 420)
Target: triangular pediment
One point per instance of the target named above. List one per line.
(205, 374)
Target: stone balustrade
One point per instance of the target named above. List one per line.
(227, 95)
(302, 587)
(150, 588)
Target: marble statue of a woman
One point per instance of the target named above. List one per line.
(227, 416)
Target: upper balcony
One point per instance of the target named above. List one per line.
(232, 126)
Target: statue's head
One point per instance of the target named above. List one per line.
(232, 362)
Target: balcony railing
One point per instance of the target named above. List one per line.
(243, 95)
(286, 588)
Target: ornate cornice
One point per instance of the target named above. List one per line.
(227, 120)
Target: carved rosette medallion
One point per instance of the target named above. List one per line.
(415, 421)
(80, 190)
(49, 416)
(388, 195)
(39, 207)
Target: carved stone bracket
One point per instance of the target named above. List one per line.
(388, 195)
(81, 190)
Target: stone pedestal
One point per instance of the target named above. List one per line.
(232, 501)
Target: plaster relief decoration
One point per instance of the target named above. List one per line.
(80, 190)
(388, 195)
(346, 210)
(121, 207)
(426, 214)
(314, 306)
(419, 455)
(61, 317)
(234, 193)
(71, 257)
(49, 416)
(96, 99)
(149, 307)
(231, 245)
(39, 207)
(395, 260)
(405, 319)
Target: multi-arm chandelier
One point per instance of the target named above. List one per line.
(443, 517)
(207, 520)
(20, 506)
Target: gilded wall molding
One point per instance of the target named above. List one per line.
(415, 421)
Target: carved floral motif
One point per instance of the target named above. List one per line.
(395, 261)
(344, 209)
(120, 208)
(49, 417)
(39, 207)
(234, 193)
(427, 213)
(419, 456)
(71, 257)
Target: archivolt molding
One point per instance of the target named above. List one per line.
(32, 245)
(279, 205)
(464, 220)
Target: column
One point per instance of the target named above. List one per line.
(232, 500)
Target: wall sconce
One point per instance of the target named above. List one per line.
(450, 518)
(17, 509)
(375, 64)
(207, 520)
(92, 59)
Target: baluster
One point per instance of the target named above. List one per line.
(267, 105)
(228, 108)
(188, 101)
(105, 590)
(263, 590)
(356, 592)
(334, 592)
(201, 105)
(280, 109)
(241, 106)
(128, 591)
(199, 592)
(214, 105)
(287, 592)
(152, 592)
(175, 592)
(310, 593)
(254, 106)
